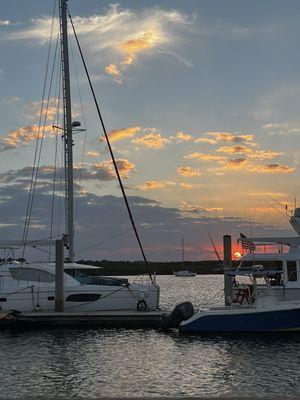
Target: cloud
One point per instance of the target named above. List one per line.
(23, 136)
(188, 171)
(113, 70)
(124, 133)
(152, 140)
(119, 35)
(142, 42)
(235, 149)
(264, 154)
(230, 137)
(183, 137)
(150, 185)
(205, 140)
(103, 171)
(281, 129)
(93, 154)
(272, 168)
(236, 163)
(187, 185)
(12, 99)
(5, 22)
(203, 157)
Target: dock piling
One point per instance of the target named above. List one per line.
(227, 264)
(59, 275)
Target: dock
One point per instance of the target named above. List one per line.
(100, 319)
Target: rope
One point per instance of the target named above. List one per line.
(110, 148)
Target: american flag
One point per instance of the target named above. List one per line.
(246, 244)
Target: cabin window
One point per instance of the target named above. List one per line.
(82, 297)
(292, 270)
(31, 275)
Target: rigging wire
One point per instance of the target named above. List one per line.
(31, 188)
(109, 147)
(85, 136)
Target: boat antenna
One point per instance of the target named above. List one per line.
(109, 145)
(284, 206)
(68, 133)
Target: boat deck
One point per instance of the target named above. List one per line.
(101, 319)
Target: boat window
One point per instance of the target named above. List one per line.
(292, 270)
(31, 275)
(83, 297)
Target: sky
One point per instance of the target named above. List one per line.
(201, 102)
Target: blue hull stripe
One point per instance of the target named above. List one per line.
(271, 321)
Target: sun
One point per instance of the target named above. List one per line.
(237, 254)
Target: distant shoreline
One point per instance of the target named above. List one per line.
(160, 268)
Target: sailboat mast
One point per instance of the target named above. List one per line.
(68, 141)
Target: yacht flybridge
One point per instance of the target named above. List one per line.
(31, 286)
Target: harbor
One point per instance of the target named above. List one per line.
(149, 210)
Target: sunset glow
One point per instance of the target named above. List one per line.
(205, 135)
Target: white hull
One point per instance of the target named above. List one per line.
(26, 296)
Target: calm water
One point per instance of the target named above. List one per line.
(94, 363)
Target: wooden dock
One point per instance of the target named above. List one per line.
(101, 319)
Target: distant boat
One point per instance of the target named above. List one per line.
(184, 273)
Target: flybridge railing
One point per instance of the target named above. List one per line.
(288, 240)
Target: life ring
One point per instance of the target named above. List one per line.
(141, 305)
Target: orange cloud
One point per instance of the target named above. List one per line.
(204, 157)
(129, 60)
(23, 136)
(93, 154)
(188, 171)
(264, 154)
(120, 134)
(150, 185)
(144, 41)
(273, 168)
(230, 137)
(113, 70)
(205, 140)
(105, 169)
(236, 163)
(131, 47)
(183, 137)
(187, 185)
(235, 149)
(152, 140)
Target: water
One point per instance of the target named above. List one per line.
(94, 363)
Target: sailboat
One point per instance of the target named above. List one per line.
(184, 273)
(31, 286)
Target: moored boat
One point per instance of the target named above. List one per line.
(263, 314)
(185, 273)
